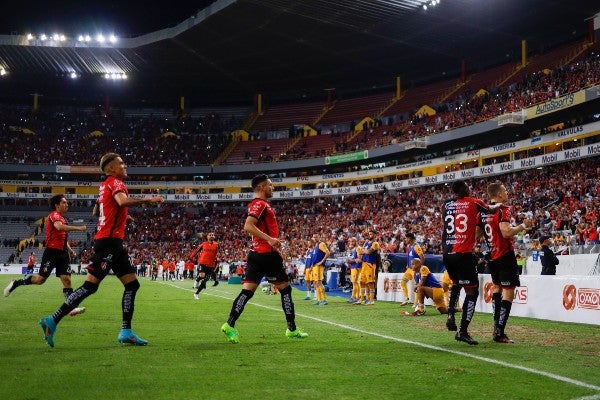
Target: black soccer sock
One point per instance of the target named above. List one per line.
(128, 303)
(238, 306)
(454, 293)
(504, 313)
(84, 291)
(468, 311)
(22, 281)
(288, 307)
(496, 304)
(67, 292)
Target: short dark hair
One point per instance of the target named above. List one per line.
(410, 235)
(258, 179)
(54, 200)
(107, 159)
(460, 188)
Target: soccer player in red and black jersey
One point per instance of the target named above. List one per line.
(503, 264)
(207, 263)
(461, 219)
(109, 253)
(264, 260)
(57, 251)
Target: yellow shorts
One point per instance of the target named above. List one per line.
(355, 275)
(317, 273)
(439, 300)
(408, 275)
(367, 273)
(308, 274)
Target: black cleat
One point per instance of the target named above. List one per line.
(451, 324)
(465, 337)
(216, 283)
(502, 339)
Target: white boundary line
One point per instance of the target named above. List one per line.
(431, 347)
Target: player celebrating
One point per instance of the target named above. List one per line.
(264, 260)
(57, 251)
(207, 262)
(503, 264)
(109, 253)
(460, 216)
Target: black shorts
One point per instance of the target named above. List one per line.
(505, 271)
(55, 259)
(109, 254)
(205, 269)
(462, 268)
(267, 265)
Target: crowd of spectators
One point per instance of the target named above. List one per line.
(66, 136)
(565, 208)
(75, 137)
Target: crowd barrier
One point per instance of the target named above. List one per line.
(565, 298)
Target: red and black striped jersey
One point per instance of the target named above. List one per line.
(461, 218)
(267, 223)
(498, 243)
(112, 219)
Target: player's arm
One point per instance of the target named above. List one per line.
(420, 253)
(509, 231)
(252, 229)
(59, 226)
(125, 201)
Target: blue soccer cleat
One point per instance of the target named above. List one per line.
(49, 327)
(127, 336)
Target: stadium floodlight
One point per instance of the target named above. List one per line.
(100, 38)
(74, 75)
(88, 38)
(43, 37)
(80, 38)
(2, 71)
(30, 36)
(112, 39)
(56, 37)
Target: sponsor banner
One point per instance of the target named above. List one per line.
(343, 158)
(568, 298)
(84, 169)
(559, 103)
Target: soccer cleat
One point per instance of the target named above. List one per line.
(195, 284)
(369, 303)
(307, 298)
(451, 324)
(49, 327)
(216, 283)
(77, 311)
(298, 333)
(502, 339)
(351, 300)
(418, 312)
(465, 337)
(127, 336)
(324, 303)
(316, 302)
(9, 288)
(195, 296)
(231, 333)
(405, 303)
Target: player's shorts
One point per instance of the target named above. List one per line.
(205, 269)
(267, 265)
(308, 274)
(408, 275)
(55, 259)
(504, 270)
(318, 273)
(438, 298)
(462, 268)
(367, 273)
(109, 254)
(355, 275)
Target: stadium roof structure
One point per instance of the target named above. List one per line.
(291, 49)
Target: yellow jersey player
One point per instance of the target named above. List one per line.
(427, 286)
(413, 251)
